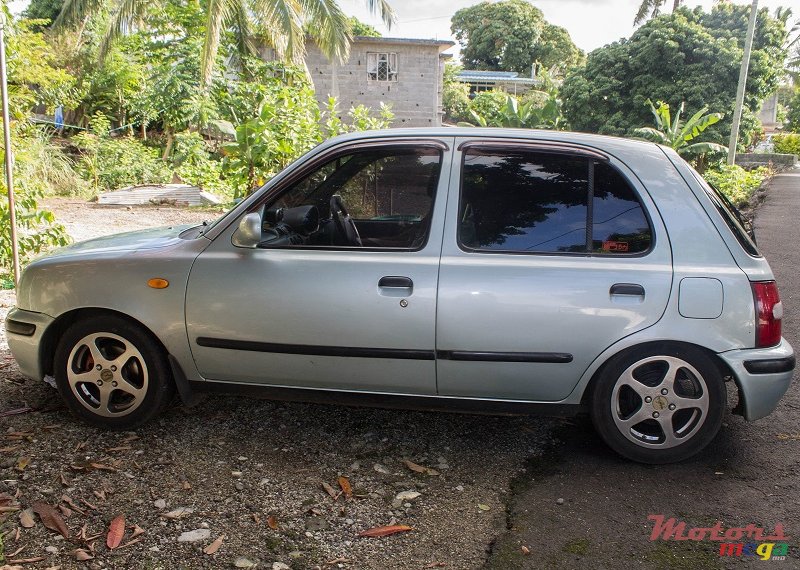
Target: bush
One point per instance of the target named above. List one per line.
(110, 163)
(787, 143)
(489, 105)
(735, 182)
(455, 101)
(193, 163)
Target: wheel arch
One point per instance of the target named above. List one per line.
(724, 370)
(55, 331)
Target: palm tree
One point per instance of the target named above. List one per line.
(653, 7)
(280, 22)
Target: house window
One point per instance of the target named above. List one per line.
(382, 66)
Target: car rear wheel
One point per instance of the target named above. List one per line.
(112, 373)
(659, 404)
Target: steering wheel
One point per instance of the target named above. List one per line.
(346, 231)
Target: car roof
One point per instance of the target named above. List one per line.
(588, 139)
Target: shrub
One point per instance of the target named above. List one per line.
(735, 182)
(193, 163)
(787, 143)
(455, 101)
(489, 105)
(110, 163)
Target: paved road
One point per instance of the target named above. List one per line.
(749, 475)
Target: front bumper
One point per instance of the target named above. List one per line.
(762, 375)
(24, 331)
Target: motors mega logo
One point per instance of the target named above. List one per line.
(750, 540)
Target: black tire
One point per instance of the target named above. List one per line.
(646, 441)
(137, 390)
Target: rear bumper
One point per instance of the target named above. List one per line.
(762, 375)
(24, 331)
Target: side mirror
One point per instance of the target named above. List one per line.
(248, 234)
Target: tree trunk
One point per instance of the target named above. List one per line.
(144, 131)
(168, 148)
(676, 5)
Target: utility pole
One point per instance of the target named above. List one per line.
(12, 216)
(737, 111)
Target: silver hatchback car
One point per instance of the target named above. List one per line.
(454, 269)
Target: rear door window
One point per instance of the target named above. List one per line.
(540, 202)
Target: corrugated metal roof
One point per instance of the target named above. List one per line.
(172, 194)
(479, 74)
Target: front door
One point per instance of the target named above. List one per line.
(341, 293)
(548, 259)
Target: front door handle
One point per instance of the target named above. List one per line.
(394, 282)
(627, 289)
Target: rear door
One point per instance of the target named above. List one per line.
(551, 253)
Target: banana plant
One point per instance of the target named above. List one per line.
(677, 135)
(516, 115)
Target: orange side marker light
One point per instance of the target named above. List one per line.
(158, 283)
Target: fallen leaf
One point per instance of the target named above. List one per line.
(130, 542)
(103, 467)
(26, 520)
(100, 494)
(27, 560)
(66, 499)
(16, 411)
(417, 468)
(22, 463)
(436, 565)
(50, 518)
(272, 522)
(120, 448)
(130, 438)
(137, 530)
(483, 507)
(17, 551)
(187, 486)
(64, 480)
(9, 567)
(525, 550)
(9, 449)
(116, 530)
(385, 530)
(82, 555)
(5, 499)
(330, 490)
(214, 546)
(344, 483)
(178, 513)
(88, 504)
(9, 509)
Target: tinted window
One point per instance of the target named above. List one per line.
(538, 202)
(618, 221)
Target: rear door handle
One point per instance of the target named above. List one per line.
(627, 289)
(393, 282)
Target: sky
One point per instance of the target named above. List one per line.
(591, 23)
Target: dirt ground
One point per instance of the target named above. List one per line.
(231, 463)
(252, 472)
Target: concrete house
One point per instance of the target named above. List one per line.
(406, 73)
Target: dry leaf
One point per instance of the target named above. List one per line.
(72, 505)
(50, 518)
(417, 468)
(116, 530)
(130, 543)
(9, 567)
(9, 509)
(344, 483)
(27, 560)
(330, 490)
(272, 522)
(22, 463)
(66, 511)
(436, 565)
(88, 504)
(82, 555)
(214, 546)
(100, 494)
(525, 550)
(120, 448)
(26, 520)
(64, 480)
(130, 438)
(385, 530)
(178, 513)
(103, 467)
(17, 551)
(9, 449)
(187, 486)
(137, 530)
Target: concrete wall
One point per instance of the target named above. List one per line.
(415, 97)
(765, 158)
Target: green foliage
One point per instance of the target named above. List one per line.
(285, 127)
(735, 182)
(787, 143)
(40, 163)
(556, 50)
(193, 163)
(359, 28)
(489, 105)
(110, 163)
(455, 95)
(686, 56)
(500, 36)
(676, 134)
(37, 230)
(793, 114)
(530, 115)
(43, 10)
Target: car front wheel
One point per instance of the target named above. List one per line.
(112, 373)
(659, 404)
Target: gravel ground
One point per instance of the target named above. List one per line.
(230, 464)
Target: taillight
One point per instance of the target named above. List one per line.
(769, 312)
